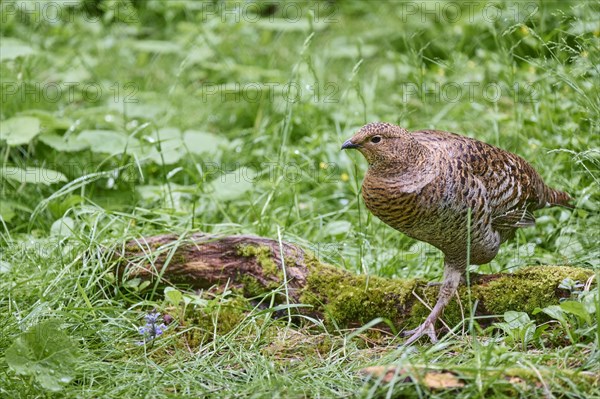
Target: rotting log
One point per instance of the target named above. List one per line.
(255, 266)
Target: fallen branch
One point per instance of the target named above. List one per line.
(254, 266)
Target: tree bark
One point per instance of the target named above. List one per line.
(257, 266)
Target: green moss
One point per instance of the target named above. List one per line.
(137, 250)
(251, 287)
(231, 314)
(264, 257)
(135, 247)
(290, 261)
(522, 291)
(526, 289)
(418, 311)
(286, 344)
(178, 258)
(216, 318)
(346, 298)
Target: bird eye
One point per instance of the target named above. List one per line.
(375, 139)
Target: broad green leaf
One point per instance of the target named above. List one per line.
(202, 142)
(352, 51)
(580, 26)
(19, 130)
(555, 312)
(576, 308)
(67, 3)
(156, 46)
(62, 144)
(5, 267)
(589, 299)
(173, 295)
(63, 227)
(337, 228)
(7, 210)
(290, 25)
(150, 192)
(46, 353)
(12, 48)
(166, 192)
(516, 319)
(32, 175)
(569, 246)
(167, 146)
(539, 331)
(134, 283)
(195, 299)
(75, 74)
(138, 105)
(200, 53)
(107, 141)
(48, 120)
(232, 186)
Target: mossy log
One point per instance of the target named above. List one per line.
(258, 266)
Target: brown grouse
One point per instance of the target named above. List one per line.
(428, 184)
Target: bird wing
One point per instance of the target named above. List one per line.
(513, 188)
(514, 218)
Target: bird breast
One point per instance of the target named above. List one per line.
(407, 202)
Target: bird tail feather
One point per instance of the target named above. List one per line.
(559, 198)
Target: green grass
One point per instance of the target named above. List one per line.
(268, 159)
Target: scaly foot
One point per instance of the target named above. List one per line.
(449, 285)
(426, 328)
(463, 281)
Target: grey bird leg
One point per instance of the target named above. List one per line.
(452, 277)
(463, 281)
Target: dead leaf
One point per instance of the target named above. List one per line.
(443, 380)
(431, 379)
(517, 381)
(386, 373)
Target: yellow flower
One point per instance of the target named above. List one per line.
(524, 30)
(345, 176)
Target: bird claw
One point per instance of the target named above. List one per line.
(426, 328)
(451, 280)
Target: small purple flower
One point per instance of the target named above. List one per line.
(152, 317)
(152, 329)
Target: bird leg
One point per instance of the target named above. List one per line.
(452, 278)
(463, 281)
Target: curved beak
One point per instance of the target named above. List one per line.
(348, 144)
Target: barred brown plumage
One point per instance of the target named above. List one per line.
(425, 184)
